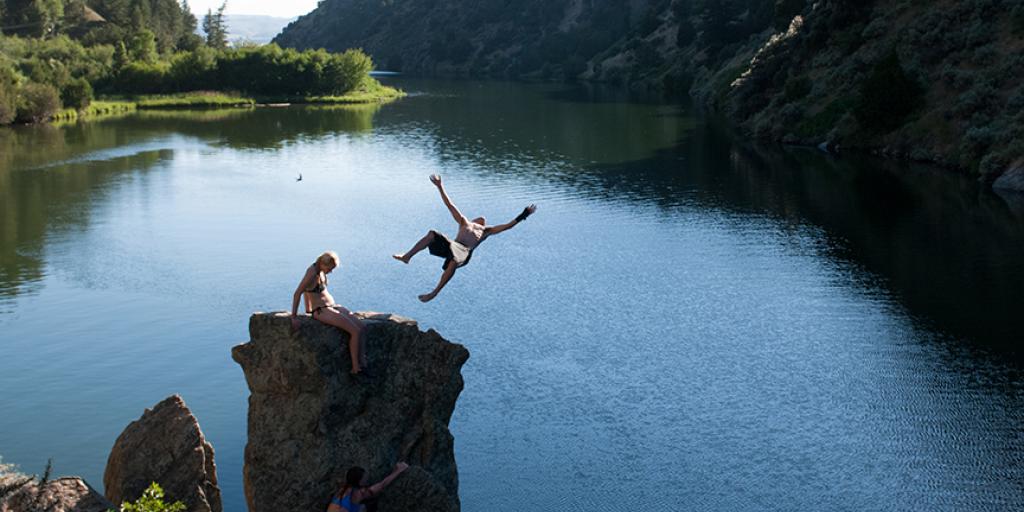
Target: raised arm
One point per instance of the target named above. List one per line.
(494, 230)
(461, 219)
(376, 488)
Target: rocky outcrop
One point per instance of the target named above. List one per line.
(69, 494)
(309, 420)
(1012, 179)
(164, 446)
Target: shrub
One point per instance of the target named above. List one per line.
(8, 95)
(37, 102)
(140, 77)
(887, 96)
(1017, 20)
(785, 11)
(193, 70)
(152, 500)
(797, 88)
(76, 94)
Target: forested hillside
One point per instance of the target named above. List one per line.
(58, 54)
(927, 80)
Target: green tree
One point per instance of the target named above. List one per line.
(142, 46)
(33, 18)
(193, 70)
(141, 13)
(216, 28)
(76, 94)
(887, 95)
(121, 58)
(37, 102)
(117, 12)
(8, 92)
(188, 40)
(152, 500)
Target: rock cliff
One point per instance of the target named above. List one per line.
(69, 494)
(165, 446)
(931, 81)
(309, 420)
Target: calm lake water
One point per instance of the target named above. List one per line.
(689, 322)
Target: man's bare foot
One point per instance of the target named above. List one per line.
(400, 257)
(426, 297)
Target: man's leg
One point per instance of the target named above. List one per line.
(422, 244)
(449, 271)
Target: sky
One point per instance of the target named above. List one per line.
(278, 8)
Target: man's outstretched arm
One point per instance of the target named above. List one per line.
(459, 217)
(494, 230)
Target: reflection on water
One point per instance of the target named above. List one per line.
(689, 322)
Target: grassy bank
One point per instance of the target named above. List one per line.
(193, 100)
(202, 100)
(376, 93)
(95, 109)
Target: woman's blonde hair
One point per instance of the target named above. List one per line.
(329, 256)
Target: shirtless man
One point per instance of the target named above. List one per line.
(456, 253)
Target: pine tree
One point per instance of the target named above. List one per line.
(216, 28)
(189, 21)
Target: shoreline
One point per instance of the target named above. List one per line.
(112, 106)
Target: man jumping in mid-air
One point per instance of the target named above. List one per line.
(456, 253)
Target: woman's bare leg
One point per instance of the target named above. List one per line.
(344, 319)
(422, 244)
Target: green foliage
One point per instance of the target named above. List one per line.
(8, 100)
(887, 96)
(152, 500)
(37, 103)
(216, 28)
(272, 70)
(32, 18)
(797, 88)
(142, 77)
(76, 94)
(142, 46)
(785, 11)
(193, 70)
(1017, 20)
(821, 123)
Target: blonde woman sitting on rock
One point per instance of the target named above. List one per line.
(320, 304)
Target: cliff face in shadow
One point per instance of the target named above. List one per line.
(929, 81)
(309, 420)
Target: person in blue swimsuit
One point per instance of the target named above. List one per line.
(356, 496)
(456, 253)
(320, 304)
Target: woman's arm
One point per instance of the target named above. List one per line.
(303, 284)
(461, 219)
(494, 230)
(376, 488)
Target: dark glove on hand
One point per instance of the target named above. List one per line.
(522, 216)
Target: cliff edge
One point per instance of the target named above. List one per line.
(309, 420)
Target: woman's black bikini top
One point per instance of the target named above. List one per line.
(318, 286)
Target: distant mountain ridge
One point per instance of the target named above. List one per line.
(931, 81)
(253, 27)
